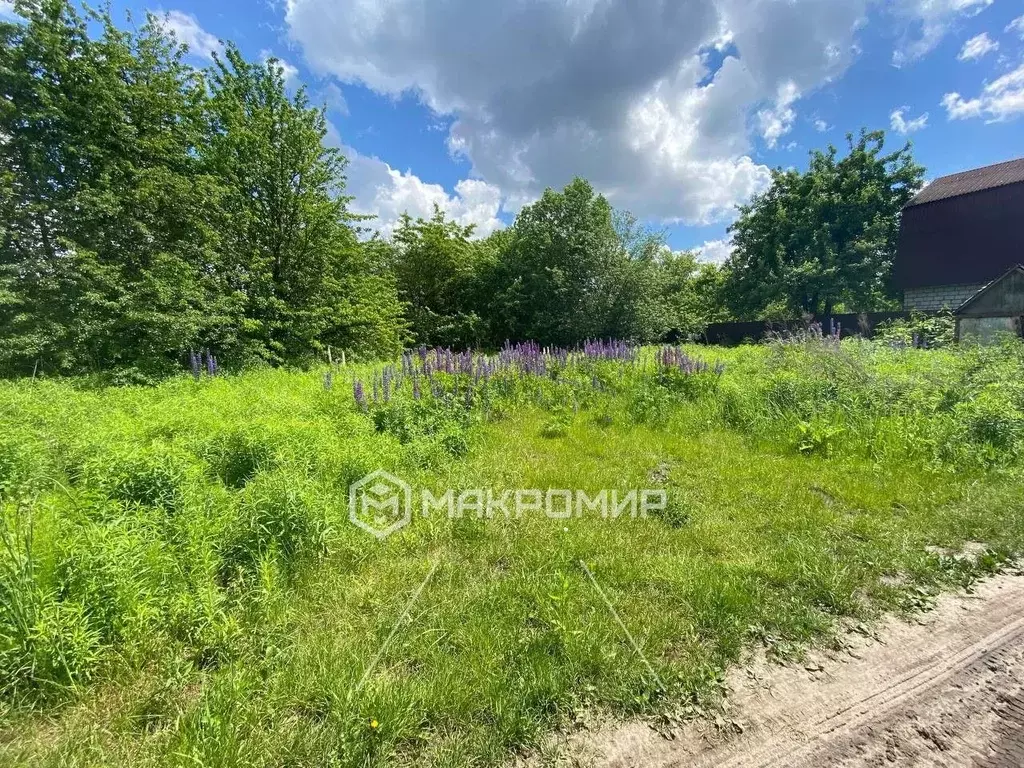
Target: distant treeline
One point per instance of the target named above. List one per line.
(149, 208)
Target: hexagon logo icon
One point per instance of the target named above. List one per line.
(380, 503)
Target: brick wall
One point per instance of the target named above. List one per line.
(936, 297)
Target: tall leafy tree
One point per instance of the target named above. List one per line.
(289, 249)
(104, 236)
(562, 275)
(438, 268)
(825, 237)
(688, 294)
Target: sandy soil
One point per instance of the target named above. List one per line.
(947, 690)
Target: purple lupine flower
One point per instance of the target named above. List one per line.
(359, 394)
(386, 384)
(328, 380)
(193, 361)
(416, 394)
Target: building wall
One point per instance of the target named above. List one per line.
(935, 297)
(966, 239)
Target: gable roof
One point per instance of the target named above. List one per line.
(994, 298)
(976, 180)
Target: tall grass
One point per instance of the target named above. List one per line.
(179, 582)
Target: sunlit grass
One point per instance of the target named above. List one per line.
(194, 568)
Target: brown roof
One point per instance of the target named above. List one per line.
(965, 183)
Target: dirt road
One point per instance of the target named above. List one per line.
(947, 691)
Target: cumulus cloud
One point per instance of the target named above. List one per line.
(715, 251)
(386, 193)
(1000, 100)
(187, 30)
(929, 21)
(821, 126)
(614, 90)
(899, 122)
(978, 46)
(334, 98)
(777, 120)
(535, 92)
(1017, 25)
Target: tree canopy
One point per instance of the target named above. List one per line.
(149, 209)
(824, 237)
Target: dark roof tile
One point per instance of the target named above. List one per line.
(965, 183)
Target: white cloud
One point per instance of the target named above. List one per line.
(958, 108)
(1017, 25)
(821, 126)
(978, 46)
(900, 124)
(386, 193)
(538, 91)
(929, 21)
(187, 30)
(7, 9)
(1000, 100)
(777, 121)
(715, 251)
(335, 99)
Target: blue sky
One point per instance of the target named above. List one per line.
(673, 108)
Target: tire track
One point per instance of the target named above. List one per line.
(947, 691)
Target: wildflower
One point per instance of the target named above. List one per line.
(328, 380)
(374, 724)
(359, 394)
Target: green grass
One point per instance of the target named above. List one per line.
(181, 585)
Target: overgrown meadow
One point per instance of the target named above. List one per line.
(180, 583)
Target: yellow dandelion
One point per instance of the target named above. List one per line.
(374, 724)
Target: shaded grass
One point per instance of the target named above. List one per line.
(198, 539)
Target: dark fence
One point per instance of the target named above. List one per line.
(863, 324)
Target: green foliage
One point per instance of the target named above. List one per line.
(565, 273)
(439, 270)
(148, 209)
(920, 329)
(825, 238)
(179, 557)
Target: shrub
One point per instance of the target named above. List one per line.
(236, 455)
(274, 518)
(920, 330)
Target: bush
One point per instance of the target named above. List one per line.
(920, 330)
(274, 519)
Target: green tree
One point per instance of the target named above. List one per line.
(289, 247)
(689, 294)
(104, 233)
(437, 268)
(826, 237)
(562, 275)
